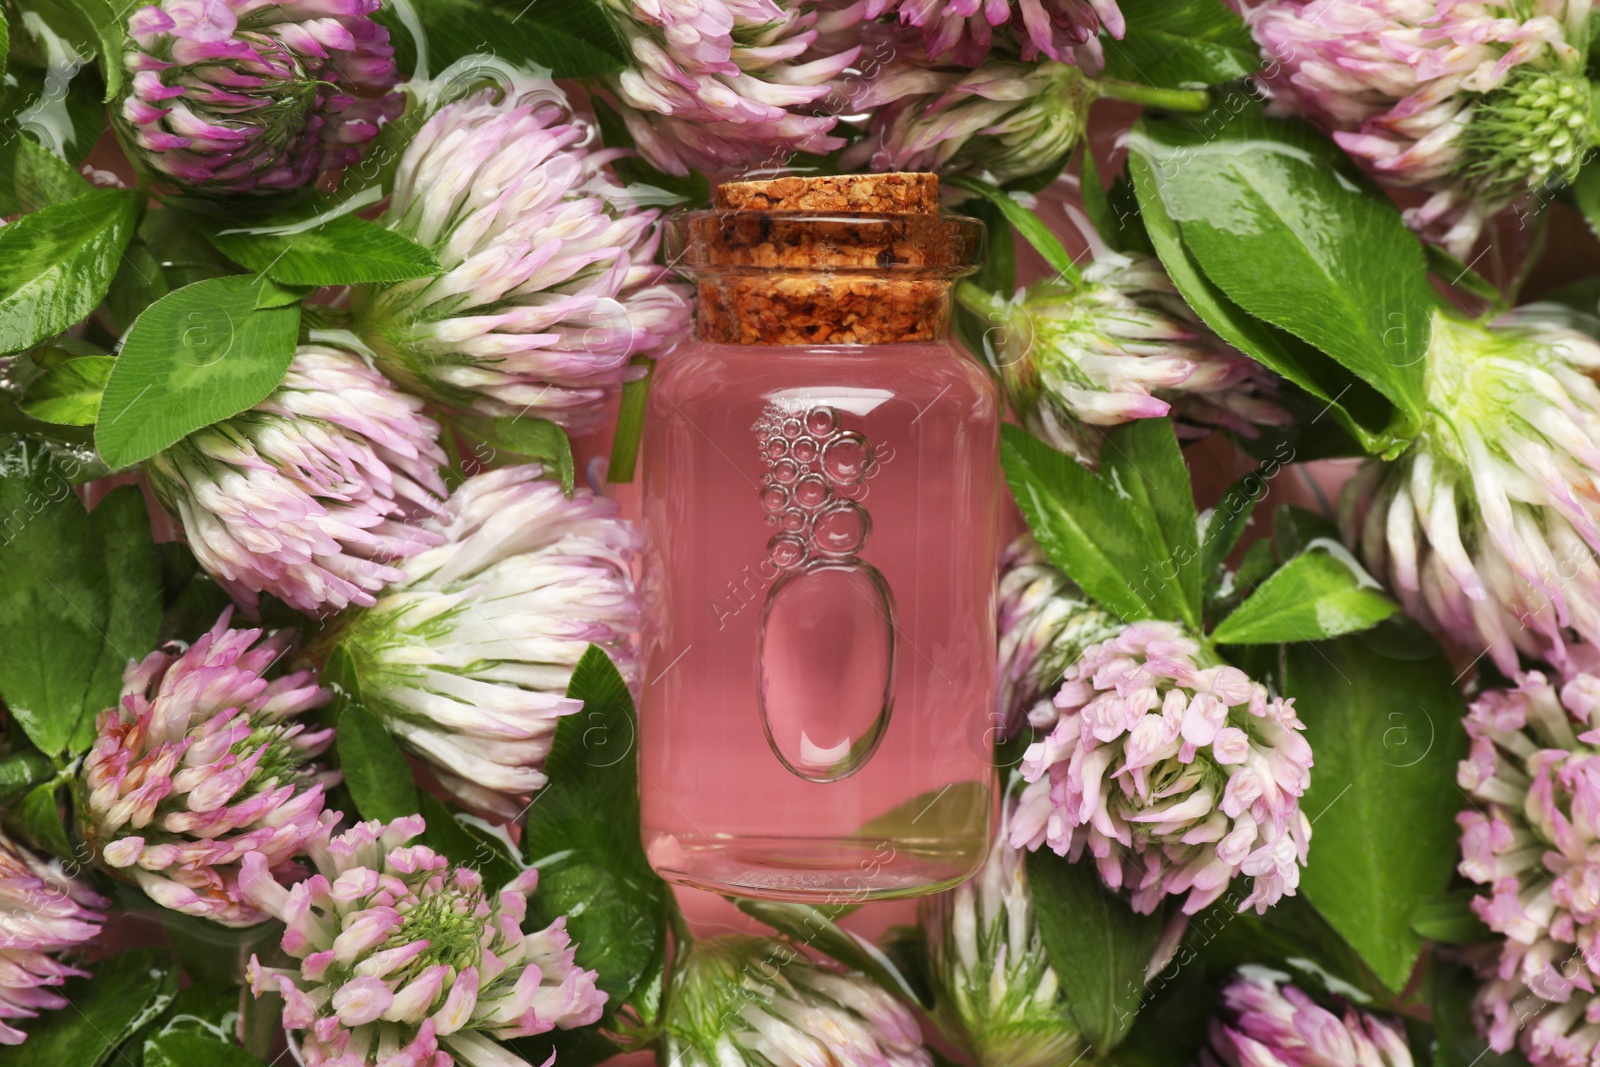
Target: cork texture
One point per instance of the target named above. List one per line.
(894, 194)
(840, 259)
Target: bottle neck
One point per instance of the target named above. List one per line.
(821, 308)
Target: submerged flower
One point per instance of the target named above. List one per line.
(1472, 102)
(719, 85)
(1175, 776)
(1487, 524)
(745, 1000)
(1045, 624)
(237, 96)
(1063, 30)
(1533, 775)
(203, 764)
(467, 660)
(43, 912)
(1004, 120)
(407, 959)
(995, 992)
(1266, 1022)
(548, 288)
(307, 495)
(1118, 345)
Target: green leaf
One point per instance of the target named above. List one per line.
(57, 263)
(375, 769)
(572, 38)
(1046, 243)
(1098, 946)
(68, 392)
(1315, 595)
(196, 1050)
(1387, 736)
(1448, 917)
(107, 20)
(343, 250)
(1096, 204)
(57, 599)
(1352, 402)
(1223, 525)
(43, 178)
(127, 991)
(5, 42)
(1144, 464)
(196, 356)
(140, 282)
(133, 622)
(1181, 44)
(217, 955)
(528, 438)
(1088, 529)
(40, 813)
(814, 928)
(21, 771)
(582, 832)
(1278, 219)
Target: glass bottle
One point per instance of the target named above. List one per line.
(821, 484)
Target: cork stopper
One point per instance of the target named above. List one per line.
(829, 260)
(890, 194)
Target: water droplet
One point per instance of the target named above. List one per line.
(805, 449)
(842, 529)
(785, 470)
(845, 459)
(786, 550)
(791, 427)
(794, 520)
(811, 492)
(821, 421)
(774, 498)
(827, 650)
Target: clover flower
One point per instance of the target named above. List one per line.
(467, 660)
(996, 994)
(1045, 624)
(307, 495)
(737, 1000)
(1063, 30)
(203, 764)
(1266, 1022)
(1486, 525)
(43, 912)
(1175, 776)
(548, 288)
(239, 96)
(721, 85)
(1473, 103)
(1533, 776)
(1002, 120)
(1116, 346)
(405, 958)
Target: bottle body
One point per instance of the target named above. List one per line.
(818, 690)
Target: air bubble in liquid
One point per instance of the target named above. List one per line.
(774, 498)
(842, 529)
(811, 492)
(821, 421)
(845, 459)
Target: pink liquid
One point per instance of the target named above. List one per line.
(819, 633)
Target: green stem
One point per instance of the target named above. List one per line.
(630, 424)
(258, 1023)
(682, 936)
(1150, 96)
(980, 301)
